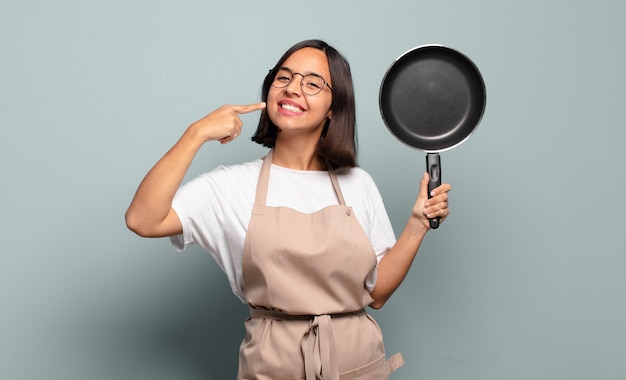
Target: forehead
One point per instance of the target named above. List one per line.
(308, 60)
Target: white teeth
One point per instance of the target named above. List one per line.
(291, 108)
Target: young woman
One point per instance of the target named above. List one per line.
(302, 233)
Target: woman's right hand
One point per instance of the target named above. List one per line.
(223, 124)
(150, 212)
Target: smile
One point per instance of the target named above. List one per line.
(292, 108)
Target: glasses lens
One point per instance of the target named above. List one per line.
(282, 78)
(312, 84)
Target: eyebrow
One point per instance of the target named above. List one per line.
(309, 73)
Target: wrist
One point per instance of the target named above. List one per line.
(193, 137)
(418, 226)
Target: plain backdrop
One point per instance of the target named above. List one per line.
(525, 280)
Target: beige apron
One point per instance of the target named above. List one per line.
(304, 280)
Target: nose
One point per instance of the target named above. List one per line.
(295, 86)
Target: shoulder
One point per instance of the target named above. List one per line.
(238, 170)
(226, 175)
(222, 183)
(355, 177)
(358, 187)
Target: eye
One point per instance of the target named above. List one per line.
(283, 76)
(313, 82)
(313, 85)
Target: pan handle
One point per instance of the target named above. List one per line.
(433, 165)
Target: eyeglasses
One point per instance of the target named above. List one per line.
(311, 84)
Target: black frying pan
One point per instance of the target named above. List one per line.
(432, 98)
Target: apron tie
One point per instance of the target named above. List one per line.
(320, 364)
(318, 342)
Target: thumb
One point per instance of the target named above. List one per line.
(424, 186)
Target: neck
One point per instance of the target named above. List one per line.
(297, 157)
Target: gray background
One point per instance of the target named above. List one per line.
(524, 281)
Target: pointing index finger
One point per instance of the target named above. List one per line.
(248, 108)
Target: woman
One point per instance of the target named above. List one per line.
(302, 234)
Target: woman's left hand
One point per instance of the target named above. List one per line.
(436, 206)
(396, 263)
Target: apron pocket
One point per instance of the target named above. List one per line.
(379, 369)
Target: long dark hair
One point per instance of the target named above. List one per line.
(338, 144)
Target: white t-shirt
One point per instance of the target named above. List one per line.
(215, 209)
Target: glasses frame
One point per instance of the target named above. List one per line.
(293, 74)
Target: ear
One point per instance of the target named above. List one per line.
(329, 115)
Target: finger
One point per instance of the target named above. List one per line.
(437, 202)
(227, 139)
(441, 189)
(440, 210)
(439, 197)
(248, 108)
(424, 186)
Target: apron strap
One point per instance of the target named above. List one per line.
(264, 180)
(333, 179)
(394, 362)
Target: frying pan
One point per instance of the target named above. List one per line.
(432, 98)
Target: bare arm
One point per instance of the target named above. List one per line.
(150, 213)
(396, 263)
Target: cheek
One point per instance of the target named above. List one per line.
(271, 103)
(273, 93)
(328, 106)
